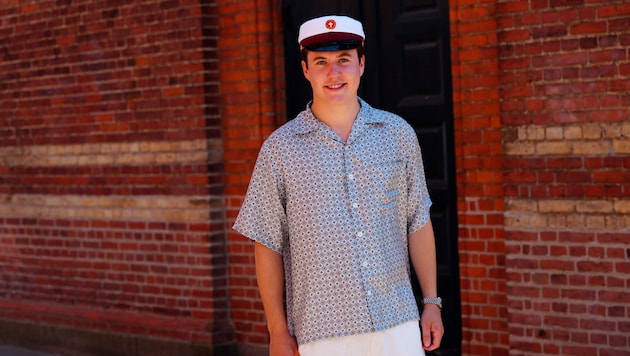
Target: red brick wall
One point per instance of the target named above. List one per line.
(129, 130)
(565, 84)
(543, 142)
(479, 162)
(253, 105)
(111, 174)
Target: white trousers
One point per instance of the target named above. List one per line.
(401, 340)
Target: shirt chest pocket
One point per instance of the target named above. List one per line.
(388, 182)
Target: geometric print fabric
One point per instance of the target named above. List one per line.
(340, 213)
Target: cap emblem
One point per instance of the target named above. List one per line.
(331, 24)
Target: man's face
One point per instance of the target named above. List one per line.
(335, 76)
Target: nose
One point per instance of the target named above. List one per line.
(334, 68)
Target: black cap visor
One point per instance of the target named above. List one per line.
(333, 46)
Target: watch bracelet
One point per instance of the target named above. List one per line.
(433, 300)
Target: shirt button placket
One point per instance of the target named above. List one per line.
(365, 264)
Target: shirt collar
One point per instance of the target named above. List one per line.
(306, 122)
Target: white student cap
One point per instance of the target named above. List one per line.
(331, 33)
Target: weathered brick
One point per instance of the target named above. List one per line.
(621, 146)
(592, 148)
(572, 132)
(622, 207)
(556, 206)
(553, 148)
(554, 133)
(599, 207)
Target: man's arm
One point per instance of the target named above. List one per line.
(422, 252)
(270, 277)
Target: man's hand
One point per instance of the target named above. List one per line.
(432, 328)
(283, 344)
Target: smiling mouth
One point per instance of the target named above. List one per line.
(335, 86)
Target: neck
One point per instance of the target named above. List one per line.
(338, 117)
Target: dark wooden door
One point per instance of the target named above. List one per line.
(408, 72)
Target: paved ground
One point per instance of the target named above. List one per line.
(18, 351)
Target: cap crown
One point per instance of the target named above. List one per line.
(327, 29)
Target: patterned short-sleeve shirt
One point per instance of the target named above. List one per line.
(340, 214)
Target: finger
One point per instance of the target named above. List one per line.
(436, 339)
(426, 336)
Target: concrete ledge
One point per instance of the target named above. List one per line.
(8, 350)
(77, 342)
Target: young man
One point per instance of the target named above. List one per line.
(337, 204)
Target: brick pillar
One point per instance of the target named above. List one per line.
(479, 162)
(252, 106)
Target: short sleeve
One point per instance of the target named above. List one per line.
(262, 216)
(418, 199)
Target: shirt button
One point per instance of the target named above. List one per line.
(355, 205)
(360, 234)
(369, 293)
(351, 176)
(365, 263)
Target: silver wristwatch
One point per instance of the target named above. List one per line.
(436, 300)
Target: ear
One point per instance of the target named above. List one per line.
(362, 64)
(305, 71)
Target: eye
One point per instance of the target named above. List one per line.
(320, 62)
